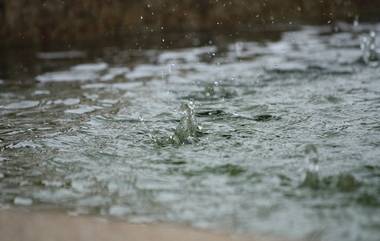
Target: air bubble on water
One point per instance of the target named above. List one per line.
(370, 56)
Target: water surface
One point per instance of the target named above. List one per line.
(278, 137)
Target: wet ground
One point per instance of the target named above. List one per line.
(23, 225)
(277, 136)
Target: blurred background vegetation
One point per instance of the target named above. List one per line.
(41, 22)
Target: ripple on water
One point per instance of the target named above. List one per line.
(83, 72)
(83, 109)
(26, 104)
(24, 144)
(68, 101)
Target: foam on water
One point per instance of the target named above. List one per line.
(82, 72)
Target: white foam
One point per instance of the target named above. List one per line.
(82, 72)
(185, 55)
(83, 109)
(23, 201)
(113, 73)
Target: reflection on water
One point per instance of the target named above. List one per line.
(277, 137)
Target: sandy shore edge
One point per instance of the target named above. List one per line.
(26, 225)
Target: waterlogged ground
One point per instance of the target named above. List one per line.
(278, 137)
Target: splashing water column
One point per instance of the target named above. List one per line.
(368, 46)
(188, 128)
(311, 178)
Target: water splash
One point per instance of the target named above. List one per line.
(370, 56)
(209, 89)
(311, 178)
(343, 182)
(213, 91)
(355, 24)
(241, 163)
(188, 128)
(187, 131)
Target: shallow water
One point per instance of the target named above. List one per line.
(278, 137)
